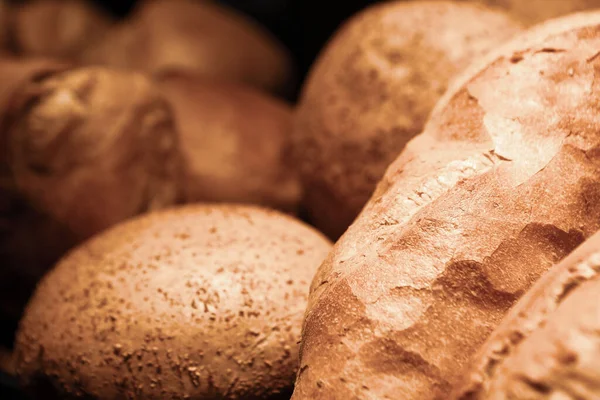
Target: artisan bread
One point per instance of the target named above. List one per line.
(199, 302)
(548, 346)
(501, 185)
(371, 91)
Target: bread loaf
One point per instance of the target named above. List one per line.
(80, 150)
(233, 141)
(503, 183)
(201, 302)
(91, 147)
(371, 91)
(548, 346)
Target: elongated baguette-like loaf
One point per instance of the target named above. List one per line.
(549, 343)
(502, 184)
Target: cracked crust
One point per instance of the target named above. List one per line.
(165, 35)
(548, 345)
(371, 91)
(200, 302)
(233, 141)
(429, 279)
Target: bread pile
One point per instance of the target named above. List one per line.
(152, 183)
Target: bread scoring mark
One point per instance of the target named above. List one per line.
(453, 173)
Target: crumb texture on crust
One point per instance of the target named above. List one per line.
(200, 302)
(462, 224)
(543, 303)
(371, 91)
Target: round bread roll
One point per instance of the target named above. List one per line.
(201, 302)
(232, 139)
(91, 147)
(548, 346)
(371, 91)
(56, 28)
(164, 35)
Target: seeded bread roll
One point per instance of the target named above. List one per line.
(200, 302)
(166, 35)
(371, 91)
(548, 346)
(500, 186)
(56, 28)
(233, 140)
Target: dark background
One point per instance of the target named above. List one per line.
(303, 26)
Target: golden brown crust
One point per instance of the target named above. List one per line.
(203, 301)
(464, 221)
(91, 147)
(164, 35)
(371, 92)
(537, 327)
(56, 28)
(531, 12)
(233, 139)
(561, 360)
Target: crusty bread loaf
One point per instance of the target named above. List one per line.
(502, 184)
(233, 140)
(208, 38)
(548, 346)
(371, 91)
(201, 302)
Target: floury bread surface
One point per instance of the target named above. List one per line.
(503, 183)
(371, 91)
(200, 302)
(548, 346)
